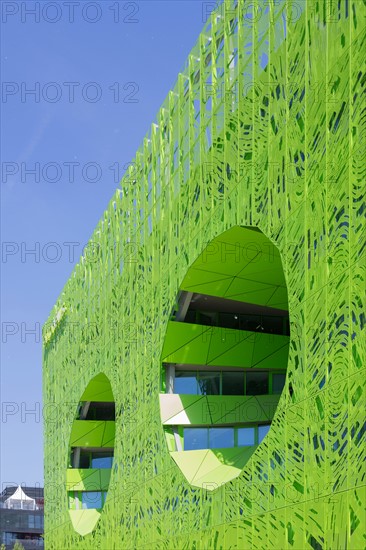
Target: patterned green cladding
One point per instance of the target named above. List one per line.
(264, 129)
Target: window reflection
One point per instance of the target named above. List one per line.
(96, 410)
(278, 382)
(195, 438)
(91, 499)
(93, 459)
(101, 460)
(246, 436)
(226, 437)
(221, 438)
(229, 320)
(270, 324)
(233, 383)
(206, 318)
(262, 432)
(87, 500)
(223, 382)
(185, 382)
(209, 383)
(256, 383)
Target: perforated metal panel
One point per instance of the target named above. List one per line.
(263, 129)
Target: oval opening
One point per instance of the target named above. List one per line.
(91, 452)
(225, 356)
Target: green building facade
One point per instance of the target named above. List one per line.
(204, 366)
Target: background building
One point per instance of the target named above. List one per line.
(226, 272)
(22, 517)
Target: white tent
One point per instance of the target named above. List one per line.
(20, 501)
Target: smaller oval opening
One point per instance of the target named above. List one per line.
(91, 453)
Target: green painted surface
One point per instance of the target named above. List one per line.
(93, 479)
(241, 264)
(217, 409)
(98, 389)
(282, 149)
(84, 520)
(92, 433)
(201, 345)
(221, 465)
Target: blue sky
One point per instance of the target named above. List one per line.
(76, 132)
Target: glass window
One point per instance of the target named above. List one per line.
(190, 316)
(278, 382)
(8, 538)
(245, 437)
(206, 318)
(38, 522)
(195, 438)
(272, 324)
(229, 320)
(185, 382)
(91, 499)
(101, 411)
(233, 383)
(262, 432)
(31, 521)
(102, 460)
(256, 383)
(209, 383)
(84, 461)
(220, 438)
(250, 322)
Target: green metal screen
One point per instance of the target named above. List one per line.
(264, 129)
